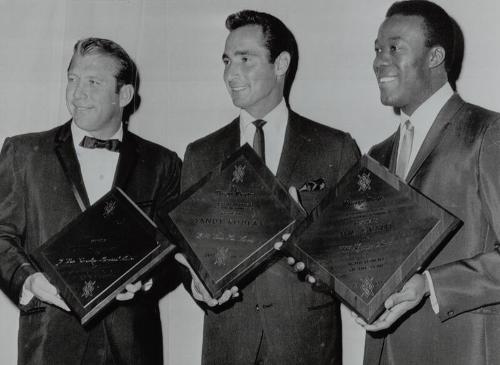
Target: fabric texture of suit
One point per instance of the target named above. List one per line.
(296, 324)
(36, 201)
(458, 168)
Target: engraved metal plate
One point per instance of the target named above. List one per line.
(369, 235)
(109, 245)
(228, 222)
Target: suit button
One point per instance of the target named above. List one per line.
(257, 308)
(450, 313)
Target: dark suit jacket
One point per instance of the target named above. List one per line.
(36, 201)
(457, 167)
(300, 326)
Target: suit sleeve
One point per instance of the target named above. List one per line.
(170, 273)
(188, 175)
(350, 155)
(472, 283)
(15, 266)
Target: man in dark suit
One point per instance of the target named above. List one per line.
(448, 150)
(48, 178)
(279, 319)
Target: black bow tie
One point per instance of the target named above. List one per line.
(109, 144)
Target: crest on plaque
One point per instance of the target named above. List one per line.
(221, 255)
(238, 173)
(367, 286)
(364, 182)
(88, 289)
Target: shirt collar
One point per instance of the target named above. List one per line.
(79, 133)
(274, 119)
(424, 116)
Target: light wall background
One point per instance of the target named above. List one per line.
(177, 45)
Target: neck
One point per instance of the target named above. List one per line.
(434, 84)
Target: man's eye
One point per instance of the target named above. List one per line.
(225, 61)
(94, 82)
(394, 48)
(378, 50)
(244, 59)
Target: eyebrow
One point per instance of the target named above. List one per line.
(397, 38)
(238, 53)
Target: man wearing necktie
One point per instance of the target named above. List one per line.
(449, 312)
(48, 178)
(277, 319)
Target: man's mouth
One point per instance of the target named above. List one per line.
(386, 79)
(237, 88)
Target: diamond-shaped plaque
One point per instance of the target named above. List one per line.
(369, 235)
(228, 222)
(96, 255)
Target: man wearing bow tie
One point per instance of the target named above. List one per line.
(48, 178)
(279, 319)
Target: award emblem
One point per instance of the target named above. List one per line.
(109, 207)
(367, 287)
(364, 182)
(238, 173)
(88, 289)
(221, 256)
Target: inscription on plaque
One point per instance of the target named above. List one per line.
(228, 222)
(109, 245)
(369, 235)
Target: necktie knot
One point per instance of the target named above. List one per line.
(408, 126)
(109, 144)
(259, 123)
(258, 139)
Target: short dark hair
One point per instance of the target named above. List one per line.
(278, 38)
(440, 28)
(127, 70)
(127, 73)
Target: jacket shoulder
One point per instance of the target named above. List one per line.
(35, 141)
(207, 142)
(145, 146)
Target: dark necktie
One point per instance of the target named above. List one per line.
(405, 150)
(109, 144)
(258, 139)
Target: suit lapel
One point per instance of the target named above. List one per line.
(127, 160)
(394, 154)
(66, 155)
(435, 134)
(295, 138)
(230, 140)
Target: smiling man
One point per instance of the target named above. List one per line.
(448, 150)
(48, 178)
(279, 319)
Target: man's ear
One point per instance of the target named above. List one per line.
(126, 94)
(281, 63)
(436, 56)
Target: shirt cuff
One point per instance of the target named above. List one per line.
(25, 296)
(434, 302)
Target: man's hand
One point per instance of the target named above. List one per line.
(199, 291)
(39, 286)
(132, 288)
(398, 304)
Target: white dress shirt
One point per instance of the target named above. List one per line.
(97, 165)
(422, 120)
(274, 133)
